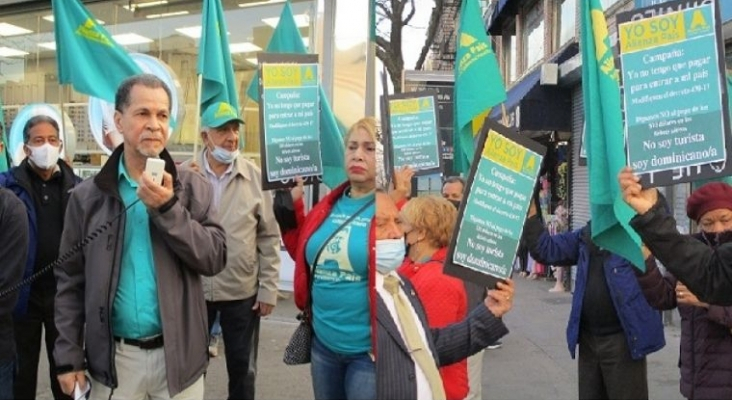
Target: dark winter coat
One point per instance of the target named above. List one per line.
(706, 271)
(18, 181)
(706, 341)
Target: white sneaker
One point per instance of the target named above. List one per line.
(495, 345)
(213, 351)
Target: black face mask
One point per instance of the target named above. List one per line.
(714, 240)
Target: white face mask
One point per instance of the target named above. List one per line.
(389, 254)
(224, 156)
(45, 156)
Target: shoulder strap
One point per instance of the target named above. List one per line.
(320, 250)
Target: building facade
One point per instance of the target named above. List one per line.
(537, 43)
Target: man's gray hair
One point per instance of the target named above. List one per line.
(122, 97)
(38, 119)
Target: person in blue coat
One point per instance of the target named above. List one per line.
(611, 322)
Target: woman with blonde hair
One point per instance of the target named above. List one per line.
(335, 272)
(428, 224)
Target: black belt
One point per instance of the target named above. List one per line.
(145, 344)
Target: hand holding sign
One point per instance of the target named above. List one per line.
(500, 300)
(641, 200)
(401, 184)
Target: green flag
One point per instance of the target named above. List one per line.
(478, 82)
(605, 142)
(214, 59)
(286, 39)
(87, 56)
(5, 153)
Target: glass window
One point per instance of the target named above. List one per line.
(566, 20)
(533, 35)
(510, 66)
(169, 32)
(608, 3)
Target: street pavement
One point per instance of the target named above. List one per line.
(533, 363)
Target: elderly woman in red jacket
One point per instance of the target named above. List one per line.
(706, 341)
(428, 223)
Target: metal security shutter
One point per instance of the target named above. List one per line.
(580, 194)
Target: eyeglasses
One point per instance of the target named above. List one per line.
(40, 141)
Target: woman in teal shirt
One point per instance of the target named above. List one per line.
(343, 274)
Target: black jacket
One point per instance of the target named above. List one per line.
(706, 271)
(18, 180)
(13, 253)
(706, 342)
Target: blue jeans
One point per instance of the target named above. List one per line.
(337, 376)
(216, 329)
(7, 371)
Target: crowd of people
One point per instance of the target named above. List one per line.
(140, 271)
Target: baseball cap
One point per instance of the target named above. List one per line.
(218, 114)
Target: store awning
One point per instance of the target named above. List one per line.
(504, 10)
(518, 92)
(534, 107)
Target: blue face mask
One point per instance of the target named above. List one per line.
(389, 255)
(224, 156)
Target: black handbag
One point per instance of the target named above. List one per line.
(297, 351)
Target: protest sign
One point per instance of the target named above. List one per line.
(289, 118)
(413, 129)
(491, 218)
(726, 6)
(674, 92)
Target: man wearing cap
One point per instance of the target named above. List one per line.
(247, 288)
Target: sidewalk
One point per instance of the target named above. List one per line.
(534, 362)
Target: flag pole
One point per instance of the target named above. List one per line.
(197, 119)
(64, 93)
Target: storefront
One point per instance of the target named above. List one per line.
(169, 31)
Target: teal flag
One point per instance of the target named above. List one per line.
(214, 59)
(4, 151)
(478, 82)
(605, 142)
(286, 39)
(87, 56)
